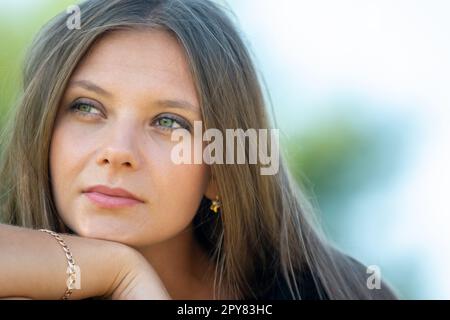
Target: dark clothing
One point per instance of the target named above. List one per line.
(306, 285)
(310, 291)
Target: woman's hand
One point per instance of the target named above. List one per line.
(137, 280)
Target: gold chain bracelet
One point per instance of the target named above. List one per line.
(72, 267)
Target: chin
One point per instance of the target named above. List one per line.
(120, 236)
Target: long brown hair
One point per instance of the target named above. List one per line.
(265, 227)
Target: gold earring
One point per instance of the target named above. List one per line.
(215, 205)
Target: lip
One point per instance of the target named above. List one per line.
(110, 198)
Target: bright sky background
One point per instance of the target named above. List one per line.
(394, 56)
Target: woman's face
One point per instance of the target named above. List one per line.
(114, 128)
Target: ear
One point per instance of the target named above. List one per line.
(211, 190)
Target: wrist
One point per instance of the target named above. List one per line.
(137, 279)
(102, 264)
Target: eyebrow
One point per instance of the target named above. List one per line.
(88, 85)
(168, 103)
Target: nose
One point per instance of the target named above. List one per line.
(120, 149)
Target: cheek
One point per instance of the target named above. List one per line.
(182, 187)
(65, 164)
(180, 191)
(67, 151)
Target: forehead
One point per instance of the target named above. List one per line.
(134, 60)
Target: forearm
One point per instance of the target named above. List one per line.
(33, 264)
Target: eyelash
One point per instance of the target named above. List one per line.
(181, 122)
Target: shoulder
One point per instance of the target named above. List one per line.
(376, 288)
(311, 288)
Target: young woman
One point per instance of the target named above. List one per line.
(98, 107)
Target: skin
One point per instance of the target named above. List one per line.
(123, 140)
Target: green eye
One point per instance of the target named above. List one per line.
(169, 122)
(85, 109)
